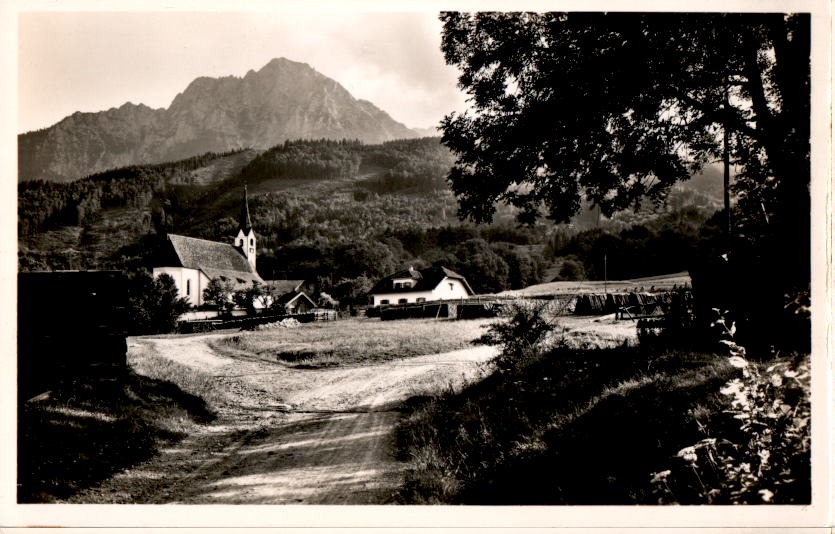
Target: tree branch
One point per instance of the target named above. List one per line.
(733, 120)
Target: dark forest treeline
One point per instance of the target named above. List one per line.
(391, 209)
(665, 243)
(321, 159)
(43, 205)
(348, 268)
(420, 164)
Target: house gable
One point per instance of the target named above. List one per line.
(435, 283)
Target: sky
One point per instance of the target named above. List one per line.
(92, 61)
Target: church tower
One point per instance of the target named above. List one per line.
(245, 240)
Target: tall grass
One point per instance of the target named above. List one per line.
(571, 426)
(91, 428)
(354, 341)
(558, 423)
(190, 380)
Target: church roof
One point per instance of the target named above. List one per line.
(239, 278)
(213, 258)
(284, 286)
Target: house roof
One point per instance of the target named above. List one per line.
(288, 298)
(284, 286)
(425, 280)
(213, 258)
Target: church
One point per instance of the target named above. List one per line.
(193, 262)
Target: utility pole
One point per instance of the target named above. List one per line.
(605, 276)
(726, 175)
(726, 149)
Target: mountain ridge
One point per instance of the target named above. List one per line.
(284, 100)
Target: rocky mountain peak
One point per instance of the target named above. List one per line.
(282, 100)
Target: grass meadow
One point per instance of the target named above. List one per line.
(589, 426)
(356, 341)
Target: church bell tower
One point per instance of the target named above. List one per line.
(245, 240)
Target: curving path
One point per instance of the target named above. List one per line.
(333, 446)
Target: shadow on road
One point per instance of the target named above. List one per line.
(88, 429)
(309, 458)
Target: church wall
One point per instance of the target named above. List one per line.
(188, 282)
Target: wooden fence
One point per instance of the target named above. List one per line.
(628, 305)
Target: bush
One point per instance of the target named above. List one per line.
(154, 304)
(676, 328)
(768, 315)
(220, 292)
(572, 269)
(521, 336)
(765, 457)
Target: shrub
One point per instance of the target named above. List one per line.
(220, 292)
(153, 304)
(768, 459)
(572, 269)
(677, 327)
(246, 297)
(521, 336)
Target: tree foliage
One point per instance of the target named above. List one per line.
(618, 107)
(220, 292)
(153, 304)
(248, 297)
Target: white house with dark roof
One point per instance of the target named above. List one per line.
(416, 286)
(193, 262)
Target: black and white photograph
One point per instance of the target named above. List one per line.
(444, 259)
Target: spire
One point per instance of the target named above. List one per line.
(244, 223)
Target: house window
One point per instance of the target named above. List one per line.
(188, 287)
(384, 301)
(451, 286)
(402, 301)
(251, 241)
(421, 299)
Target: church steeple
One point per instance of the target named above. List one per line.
(245, 240)
(245, 224)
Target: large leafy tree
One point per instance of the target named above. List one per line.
(617, 107)
(153, 303)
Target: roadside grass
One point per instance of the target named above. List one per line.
(196, 384)
(355, 341)
(573, 426)
(89, 429)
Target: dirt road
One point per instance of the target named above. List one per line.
(333, 445)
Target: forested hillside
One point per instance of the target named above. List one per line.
(342, 213)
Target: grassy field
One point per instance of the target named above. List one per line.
(657, 283)
(356, 341)
(88, 430)
(577, 426)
